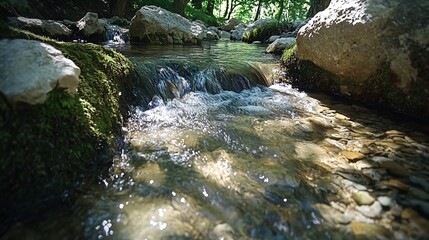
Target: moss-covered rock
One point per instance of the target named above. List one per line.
(265, 31)
(377, 90)
(49, 149)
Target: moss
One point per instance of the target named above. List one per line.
(265, 31)
(378, 91)
(287, 53)
(47, 149)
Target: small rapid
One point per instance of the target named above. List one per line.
(213, 152)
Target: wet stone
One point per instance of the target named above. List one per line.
(222, 231)
(370, 231)
(395, 168)
(418, 193)
(375, 174)
(394, 183)
(384, 201)
(363, 164)
(352, 156)
(421, 181)
(332, 215)
(372, 211)
(363, 198)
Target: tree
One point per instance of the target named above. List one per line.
(317, 6)
(179, 6)
(258, 11)
(197, 4)
(118, 7)
(210, 7)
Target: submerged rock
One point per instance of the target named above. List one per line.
(153, 24)
(29, 70)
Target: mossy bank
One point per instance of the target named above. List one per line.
(377, 91)
(49, 149)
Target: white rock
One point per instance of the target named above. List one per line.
(48, 28)
(29, 70)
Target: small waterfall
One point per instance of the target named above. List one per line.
(161, 79)
(116, 35)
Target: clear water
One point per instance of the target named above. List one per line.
(230, 165)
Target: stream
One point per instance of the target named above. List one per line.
(213, 153)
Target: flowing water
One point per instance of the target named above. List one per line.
(212, 153)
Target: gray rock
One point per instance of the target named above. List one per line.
(332, 215)
(153, 24)
(281, 44)
(29, 70)
(231, 24)
(90, 27)
(273, 38)
(222, 231)
(237, 33)
(210, 35)
(225, 35)
(384, 201)
(48, 28)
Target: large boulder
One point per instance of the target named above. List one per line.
(238, 32)
(358, 41)
(156, 25)
(47, 28)
(90, 28)
(29, 70)
(280, 44)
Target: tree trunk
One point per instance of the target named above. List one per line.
(226, 9)
(118, 7)
(317, 6)
(233, 6)
(258, 11)
(179, 6)
(197, 4)
(280, 12)
(210, 7)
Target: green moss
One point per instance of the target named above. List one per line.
(265, 31)
(287, 53)
(49, 148)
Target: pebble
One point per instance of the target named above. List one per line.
(372, 211)
(393, 183)
(363, 164)
(352, 156)
(370, 231)
(332, 215)
(363, 198)
(384, 201)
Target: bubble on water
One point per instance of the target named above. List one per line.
(121, 206)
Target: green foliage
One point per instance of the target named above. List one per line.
(47, 148)
(195, 14)
(168, 5)
(265, 31)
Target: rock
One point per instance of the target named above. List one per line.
(225, 35)
(90, 28)
(370, 231)
(29, 70)
(384, 201)
(420, 181)
(375, 174)
(363, 198)
(47, 28)
(352, 156)
(116, 34)
(273, 38)
(357, 40)
(122, 22)
(256, 42)
(210, 35)
(395, 168)
(222, 231)
(238, 32)
(156, 25)
(281, 44)
(395, 184)
(372, 211)
(418, 193)
(332, 215)
(231, 24)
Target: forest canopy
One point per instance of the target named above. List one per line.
(245, 10)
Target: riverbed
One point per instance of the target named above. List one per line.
(212, 152)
